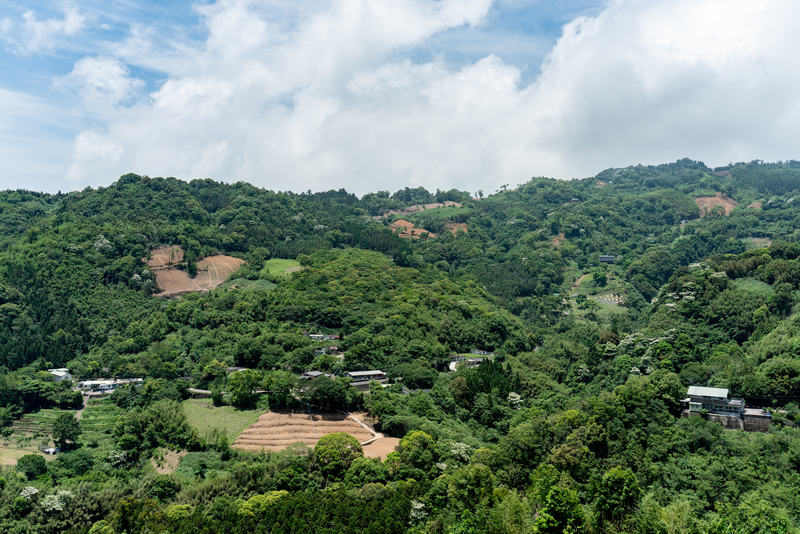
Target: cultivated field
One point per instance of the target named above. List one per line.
(706, 204)
(409, 230)
(97, 423)
(164, 257)
(274, 431)
(204, 416)
(381, 447)
(279, 267)
(211, 271)
(421, 207)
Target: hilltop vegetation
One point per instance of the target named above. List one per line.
(574, 426)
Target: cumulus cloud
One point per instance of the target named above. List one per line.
(34, 35)
(316, 104)
(102, 82)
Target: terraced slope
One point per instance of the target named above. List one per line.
(275, 431)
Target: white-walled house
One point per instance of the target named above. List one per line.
(60, 374)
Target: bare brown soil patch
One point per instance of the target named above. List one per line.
(164, 257)
(707, 204)
(421, 207)
(455, 227)
(211, 271)
(274, 431)
(168, 462)
(755, 205)
(577, 283)
(556, 241)
(409, 230)
(381, 447)
(721, 174)
(600, 184)
(761, 242)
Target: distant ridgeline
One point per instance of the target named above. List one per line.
(602, 300)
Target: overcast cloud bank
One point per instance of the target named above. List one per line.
(308, 97)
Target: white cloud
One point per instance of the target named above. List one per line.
(33, 35)
(102, 82)
(316, 104)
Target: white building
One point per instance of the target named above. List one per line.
(60, 374)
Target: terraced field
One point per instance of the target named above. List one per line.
(97, 422)
(275, 431)
(27, 434)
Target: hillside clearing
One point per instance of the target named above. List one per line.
(707, 204)
(204, 416)
(211, 272)
(274, 431)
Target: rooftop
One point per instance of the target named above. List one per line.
(708, 392)
(365, 373)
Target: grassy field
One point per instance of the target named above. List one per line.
(277, 266)
(754, 286)
(9, 456)
(204, 416)
(248, 285)
(447, 213)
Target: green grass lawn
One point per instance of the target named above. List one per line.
(204, 416)
(278, 266)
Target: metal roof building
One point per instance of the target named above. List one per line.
(714, 400)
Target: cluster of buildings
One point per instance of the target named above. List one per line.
(322, 337)
(473, 359)
(105, 385)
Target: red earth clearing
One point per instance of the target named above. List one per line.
(409, 230)
(454, 227)
(381, 447)
(421, 207)
(274, 431)
(707, 204)
(211, 271)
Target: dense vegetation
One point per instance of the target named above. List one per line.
(574, 426)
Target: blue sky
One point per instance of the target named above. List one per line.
(380, 94)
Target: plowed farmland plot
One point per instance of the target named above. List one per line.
(165, 257)
(275, 431)
(211, 271)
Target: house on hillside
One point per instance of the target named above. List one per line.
(714, 400)
(107, 385)
(310, 375)
(606, 258)
(472, 362)
(366, 376)
(60, 374)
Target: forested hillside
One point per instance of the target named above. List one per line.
(572, 426)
